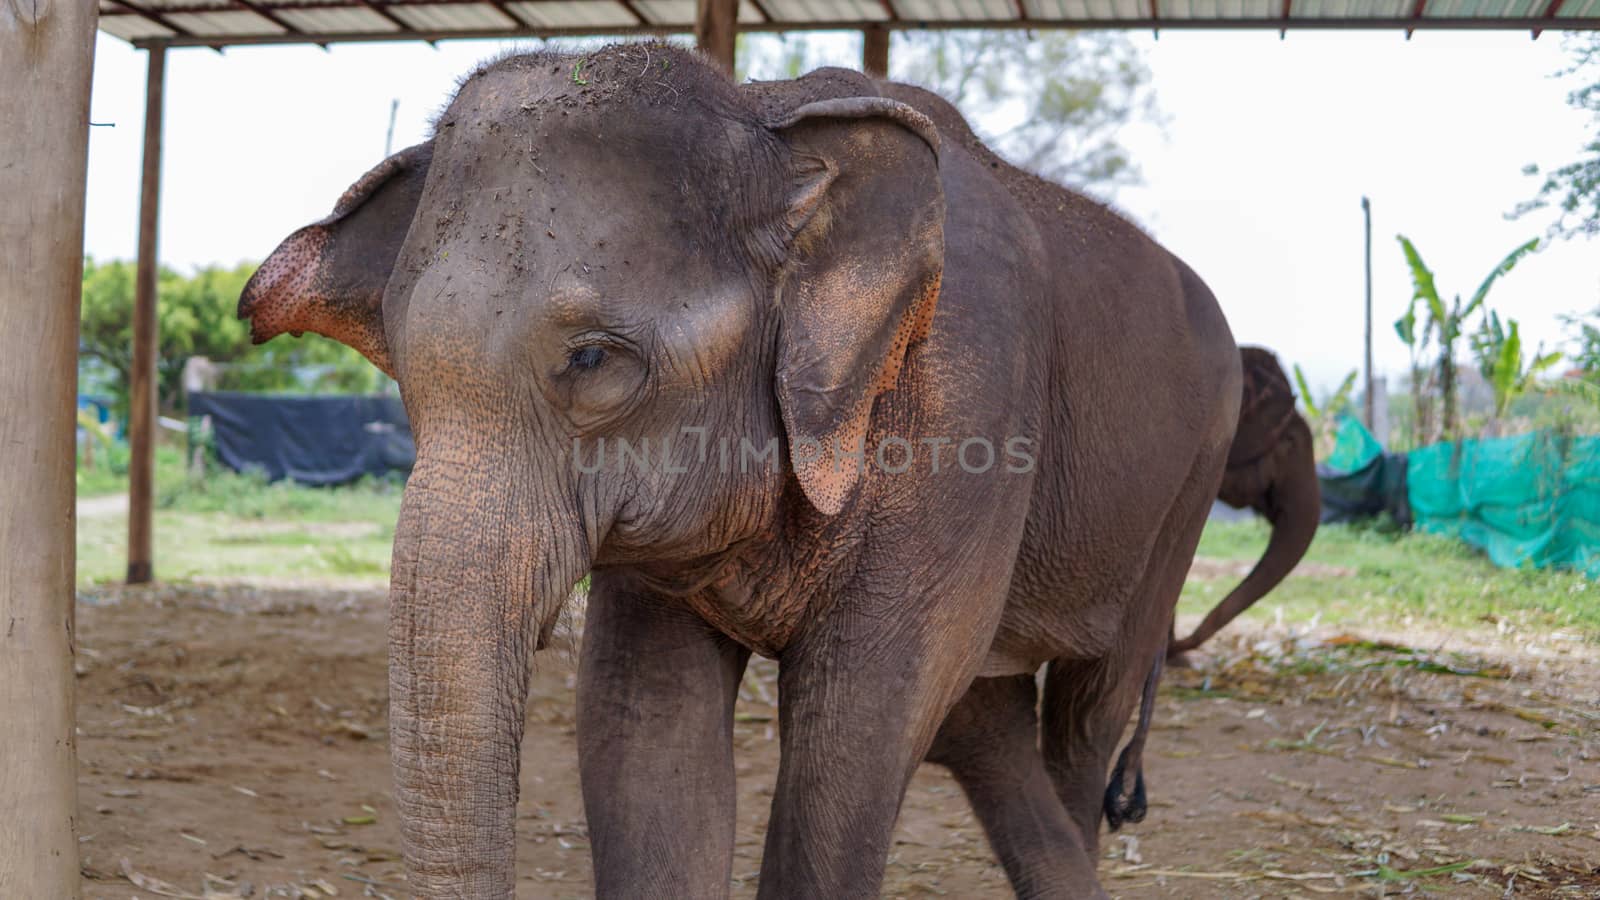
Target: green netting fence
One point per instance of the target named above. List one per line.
(1532, 499)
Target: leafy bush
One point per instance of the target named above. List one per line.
(196, 316)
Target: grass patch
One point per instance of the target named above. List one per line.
(1400, 579)
(223, 524)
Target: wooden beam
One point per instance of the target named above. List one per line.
(46, 66)
(716, 27)
(142, 391)
(889, 10)
(875, 51)
(1416, 16)
(634, 11)
(1550, 12)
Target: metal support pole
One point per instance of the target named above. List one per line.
(1369, 408)
(875, 51)
(142, 391)
(46, 66)
(716, 25)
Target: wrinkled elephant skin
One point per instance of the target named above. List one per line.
(795, 368)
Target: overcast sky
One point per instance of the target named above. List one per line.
(1256, 179)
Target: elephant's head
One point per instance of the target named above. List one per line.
(616, 248)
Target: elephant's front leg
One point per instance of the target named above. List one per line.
(860, 699)
(656, 689)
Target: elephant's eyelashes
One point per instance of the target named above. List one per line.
(583, 358)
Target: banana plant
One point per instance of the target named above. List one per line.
(1324, 417)
(1443, 326)
(1510, 374)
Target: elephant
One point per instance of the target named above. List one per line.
(1272, 469)
(795, 368)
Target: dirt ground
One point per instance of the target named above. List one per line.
(232, 745)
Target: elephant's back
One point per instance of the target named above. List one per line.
(1135, 383)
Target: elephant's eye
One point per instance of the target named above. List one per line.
(589, 357)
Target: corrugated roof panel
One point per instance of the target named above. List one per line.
(1351, 9)
(131, 28)
(1573, 9)
(1075, 10)
(573, 13)
(826, 10)
(681, 12)
(454, 17)
(208, 23)
(1472, 9)
(185, 5)
(350, 20)
(666, 12)
(956, 10)
(1220, 9)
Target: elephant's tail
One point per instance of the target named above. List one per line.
(1121, 805)
(1282, 486)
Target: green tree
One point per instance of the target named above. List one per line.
(1052, 102)
(196, 316)
(1573, 190)
(1444, 326)
(1498, 349)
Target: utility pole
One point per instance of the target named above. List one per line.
(1369, 409)
(388, 139)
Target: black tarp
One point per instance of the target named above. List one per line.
(1374, 489)
(314, 440)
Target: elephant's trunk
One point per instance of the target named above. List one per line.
(1292, 502)
(480, 567)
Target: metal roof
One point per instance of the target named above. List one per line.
(219, 23)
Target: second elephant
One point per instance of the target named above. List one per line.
(1272, 469)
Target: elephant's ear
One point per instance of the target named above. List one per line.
(1265, 408)
(865, 222)
(329, 277)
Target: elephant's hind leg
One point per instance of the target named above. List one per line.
(989, 742)
(1087, 703)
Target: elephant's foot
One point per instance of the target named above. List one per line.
(989, 742)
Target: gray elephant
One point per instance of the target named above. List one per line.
(1272, 469)
(798, 369)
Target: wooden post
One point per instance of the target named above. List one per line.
(716, 24)
(142, 391)
(46, 63)
(875, 51)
